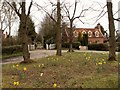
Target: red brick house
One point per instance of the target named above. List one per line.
(94, 34)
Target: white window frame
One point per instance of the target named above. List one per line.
(90, 33)
(97, 34)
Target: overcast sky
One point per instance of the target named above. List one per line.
(89, 19)
(90, 16)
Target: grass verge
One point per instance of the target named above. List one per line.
(5, 56)
(72, 70)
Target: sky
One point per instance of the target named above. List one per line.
(90, 16)
(89, 19)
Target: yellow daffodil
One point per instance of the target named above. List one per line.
(104, 62)
(42, 65)
(38, 65)
(54, 85)
(13, 66)
(16, 83)
(24, 68)
(17, 65)
(41, 74)
(102, 59)
(100, 63)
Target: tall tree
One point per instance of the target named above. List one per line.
(58, 25)
(31, 30)
(72, 19)
(112, 42)
(48, 29)
(59, 32)
(21, 12)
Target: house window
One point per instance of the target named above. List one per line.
(89, 34)
(83, 32)
(75, 34)
(97, 34)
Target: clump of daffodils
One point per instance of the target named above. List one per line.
(16, 83)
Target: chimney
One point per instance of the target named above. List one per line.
(98, 26)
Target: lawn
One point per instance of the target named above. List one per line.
(72, 70)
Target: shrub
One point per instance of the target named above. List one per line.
(100, 47)
(11, 49)
(75, 45)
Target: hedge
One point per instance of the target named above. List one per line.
(75, 45)
(100, 47)
(11, 49)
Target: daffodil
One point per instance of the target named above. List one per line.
(104, 62)
(41, 74)
(100, 63)
(17, 65)
(13, 66)
(38, 65)
(24, 68)
(102, 59)
(54, 85)
(16, 83)
(42, 65)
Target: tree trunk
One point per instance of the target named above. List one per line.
(59, 34)
(112, 43)
(71, 37)
(23, 34)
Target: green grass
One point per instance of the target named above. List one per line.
(72, 70)
(5, 56)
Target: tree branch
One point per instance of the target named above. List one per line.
(29, 8)
(40, 7)
(13, 6)
(74, 10)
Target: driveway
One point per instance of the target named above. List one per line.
(42, 53)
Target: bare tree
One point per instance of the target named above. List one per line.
(112, 42)
(7, 17)
(21, 12)
(57, 22)
(72, 19)
(3, 13)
